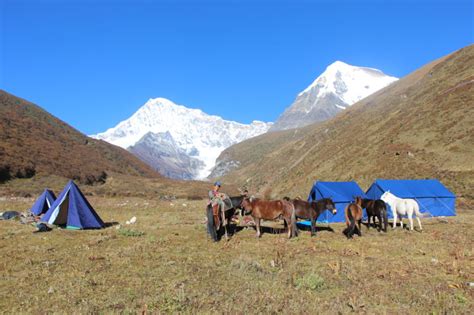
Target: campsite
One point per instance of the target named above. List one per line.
(165, 262)
(236, 157)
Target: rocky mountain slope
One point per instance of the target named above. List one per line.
(33, 142)
(418, 127)
(337, 88)
(195, 139)
(163, 153)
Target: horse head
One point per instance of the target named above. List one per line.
(386, 195)
(331, 206)
(358, 200)
(246, 204)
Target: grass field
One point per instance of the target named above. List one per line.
(166, 263)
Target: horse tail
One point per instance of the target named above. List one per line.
(350, 221)
(353, 222)
(420, 214)
(346, 214)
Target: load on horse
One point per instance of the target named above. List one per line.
(219, 210)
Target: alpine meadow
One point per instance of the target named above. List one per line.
(295, 157)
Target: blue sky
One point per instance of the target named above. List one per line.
(94, 63)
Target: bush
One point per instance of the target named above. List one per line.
(5, 174)
(310, 281)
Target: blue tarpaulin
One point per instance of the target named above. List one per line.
(43, 203)
(431, 194)
(72, 210)
(342, 193)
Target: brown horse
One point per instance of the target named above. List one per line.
(312, 210)
(353, 213)
(376, 208)
(271, 210)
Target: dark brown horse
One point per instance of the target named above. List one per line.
(312, 210)
(218, 220)
(271, 210)
(376, 208)
(353, 213)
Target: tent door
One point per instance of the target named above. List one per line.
(61, 219)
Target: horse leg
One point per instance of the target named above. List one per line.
(368, 221)
(289, 227)
(313, 227)
(385, 220)
(394, 219)
(257, 225)
(419, 222)
(410, 219)
(351, 228)
(359, 230)
(379, 217)
(224, 223)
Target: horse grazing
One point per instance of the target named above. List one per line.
(271, 210)
(312, 210)
(401, 207)
(353, 214)
(376, 208)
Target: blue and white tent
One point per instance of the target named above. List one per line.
(43, 203)
(431, 194)
(342, 193)
(72, 210)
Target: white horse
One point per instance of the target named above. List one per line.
(403, 207)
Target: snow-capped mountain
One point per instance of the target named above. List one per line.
(200, 136)
(160, 151)
(337, 88)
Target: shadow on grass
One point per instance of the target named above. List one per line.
(302, 227)
(110, 224)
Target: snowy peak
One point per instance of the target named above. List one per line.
(338, 87)
(200, 135)
(350, 83)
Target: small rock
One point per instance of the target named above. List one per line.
(131, 221)
(51, 290)
(434, 261)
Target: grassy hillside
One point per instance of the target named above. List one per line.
(33, 142)
(418, 127)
